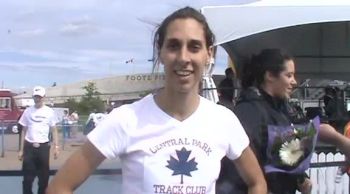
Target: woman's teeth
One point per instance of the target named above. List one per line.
(183, 73)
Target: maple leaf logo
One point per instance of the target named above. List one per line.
(181, 166)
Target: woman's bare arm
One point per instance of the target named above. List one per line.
(76, 170)
(329, 135)
(250, 171)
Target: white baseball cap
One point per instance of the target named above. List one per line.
(39, 91)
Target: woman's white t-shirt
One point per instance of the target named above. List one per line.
(160, 154)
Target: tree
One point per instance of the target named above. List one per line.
(72, 104)
(91, 100)
(91, 91)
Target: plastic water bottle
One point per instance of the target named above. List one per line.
(338, 176)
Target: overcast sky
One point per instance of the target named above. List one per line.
(44, 41)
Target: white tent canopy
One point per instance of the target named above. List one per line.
(317, 33)
(237, 21)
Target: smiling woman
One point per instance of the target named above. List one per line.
(267, 81)
(169, 140)
(283, 151)
(184, 56)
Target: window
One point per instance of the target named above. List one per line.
(5, 103)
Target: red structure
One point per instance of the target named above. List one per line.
(9, 112)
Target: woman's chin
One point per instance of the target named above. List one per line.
(287, 95)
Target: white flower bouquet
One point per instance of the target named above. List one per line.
(290, 147)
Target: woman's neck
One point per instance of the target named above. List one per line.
(267, 89)
(178, 105)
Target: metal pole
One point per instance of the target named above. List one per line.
(63, 137)
(2, 139)
(19, 137)
(348, 185)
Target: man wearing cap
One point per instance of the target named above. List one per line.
(37, 121)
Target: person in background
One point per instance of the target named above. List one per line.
(173, 138)
(66, 124)
(329, 95)
(74, 116)
(91, 116)
(37, 121)
(227, 85)
(89, 124)
(109, 109)
(98, 117)
(335, 108)
(226, 90)
(74, 120)
(267, 85)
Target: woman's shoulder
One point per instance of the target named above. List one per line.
(211, 105)
(135, 107)
(213, 109)
(249, 105)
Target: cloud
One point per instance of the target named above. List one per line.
(47, 69)
(97, 58)
(33, 56)
(68, 40)
(80, 27)
(31, 33)
(9, 67)
(37, 66)
(25, 15)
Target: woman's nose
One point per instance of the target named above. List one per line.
(294, 82)
(184, 55)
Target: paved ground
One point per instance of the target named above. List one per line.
(10, 160)
(94, 184)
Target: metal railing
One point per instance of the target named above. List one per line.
(75, 129)
(322, 172)
(73, 133)
(102, 182)
(323, 169)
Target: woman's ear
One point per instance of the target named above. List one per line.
(269, 77)
(160, 61)
(210, 53)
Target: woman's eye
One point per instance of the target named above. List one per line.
(290, 75)
(195, 48)
(172, 46)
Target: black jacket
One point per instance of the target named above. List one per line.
(256, 109)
